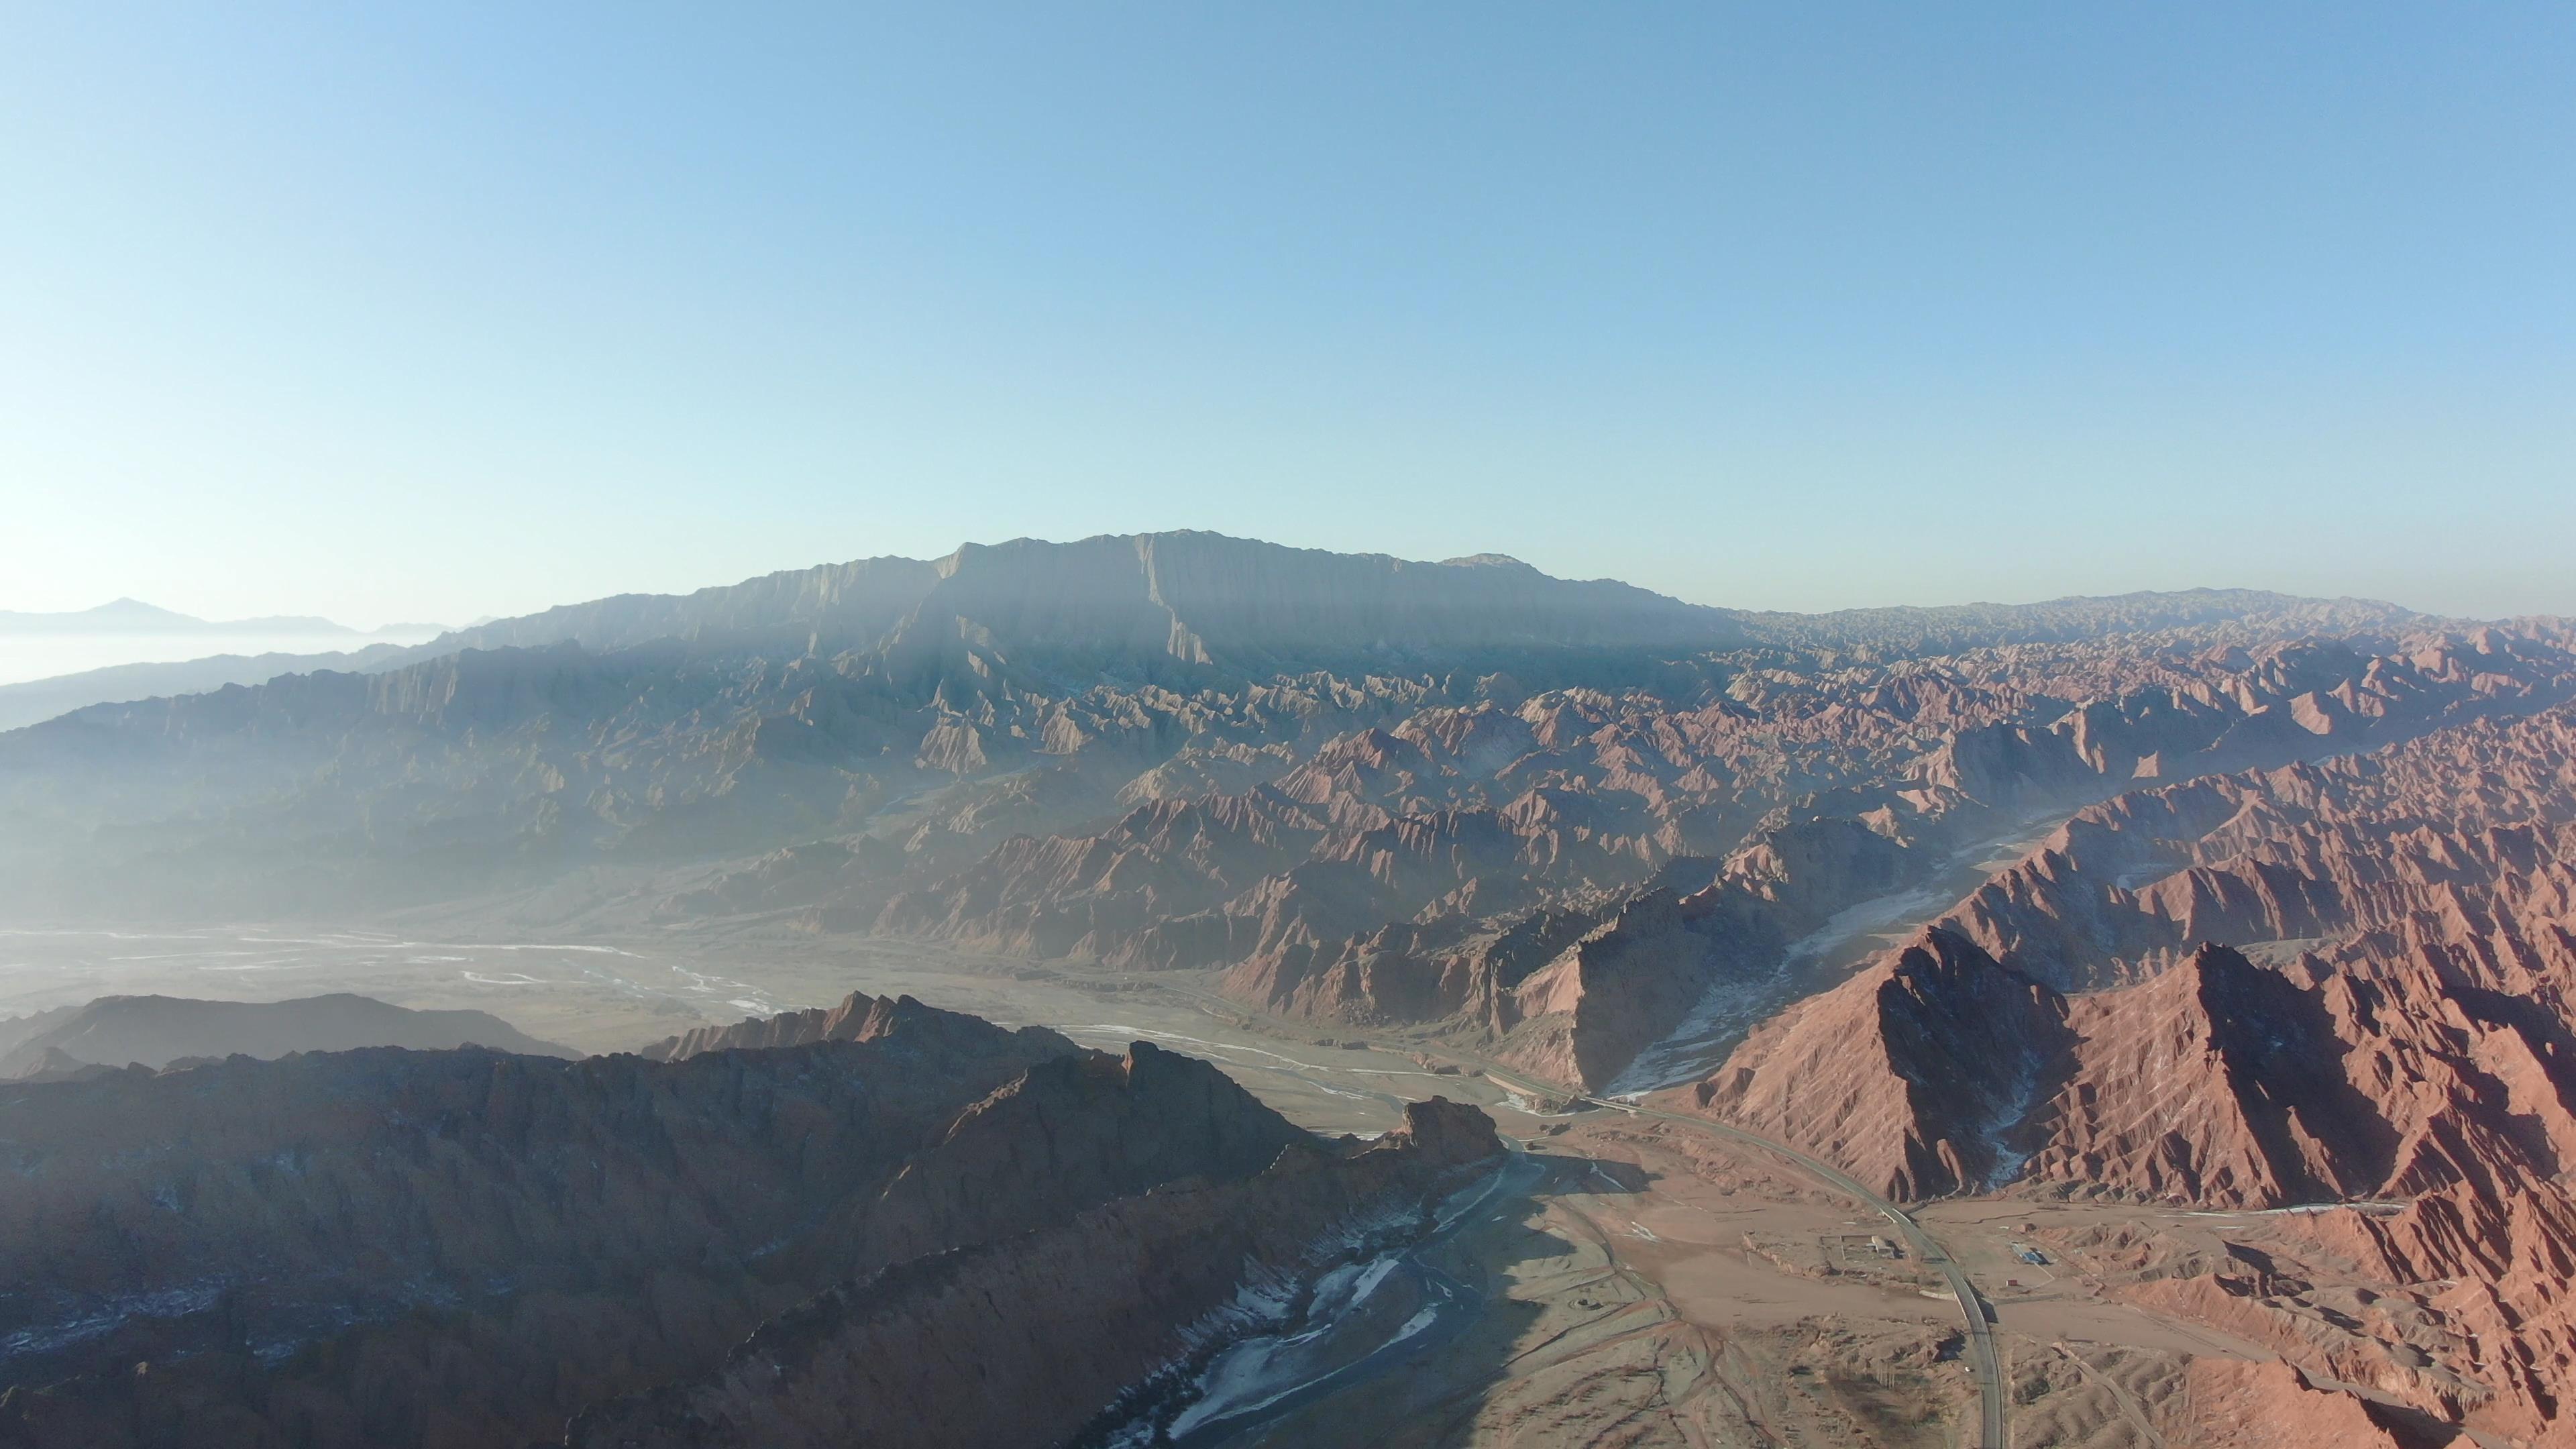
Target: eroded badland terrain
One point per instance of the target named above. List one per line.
(1001, 1000)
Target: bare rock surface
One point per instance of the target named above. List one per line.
(1909, 1075)
(1080, 1312)
(2335, 982)
(460, 1248)
(857, 1018)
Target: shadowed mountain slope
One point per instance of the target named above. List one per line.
(466, 1248)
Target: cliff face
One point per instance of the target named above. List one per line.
(1086, 1310)
(465, 1248)
(1912, 1076)
(2384, 1018)
(2421, 1037)
(2443, 841)
(1622, 984)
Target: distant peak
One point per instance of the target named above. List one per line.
(128, 604)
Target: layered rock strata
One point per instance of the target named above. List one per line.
(2384, 1019)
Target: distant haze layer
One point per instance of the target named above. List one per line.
(26, 657)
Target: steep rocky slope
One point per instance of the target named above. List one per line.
(35, 700)
(1909, 1075)
(2416, 1032)
(157, 1030)
(466, 1248)
(858, 1018)
(1185, 597)
(1926, 769)
(2460, 837)
(2337, 981)
(1084, 1313)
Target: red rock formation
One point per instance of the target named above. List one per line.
(1911, 1076)
(2452, 845)
(2494, 1270)
(2232, 1404)
(2221, 1082)
(1304, 940)
(2412, 1041)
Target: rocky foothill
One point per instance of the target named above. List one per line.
(2344, 981)
(469, 1248)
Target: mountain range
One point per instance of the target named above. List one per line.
(1160, 601)
(133, 616)
(2212, 904)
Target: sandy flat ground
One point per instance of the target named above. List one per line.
(621, 993)
(1660, 1288)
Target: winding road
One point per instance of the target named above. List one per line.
(1983, 1360)
(1992, 1432)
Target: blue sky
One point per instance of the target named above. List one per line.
(436, 311)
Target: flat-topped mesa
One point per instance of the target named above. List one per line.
(2217, 1082)
(858, 1017)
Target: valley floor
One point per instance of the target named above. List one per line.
(1633, 1283)
(1652, 1286)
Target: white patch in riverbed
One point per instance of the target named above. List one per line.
(1735, 1005)
(1259, 1372)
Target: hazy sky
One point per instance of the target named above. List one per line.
(392, 312)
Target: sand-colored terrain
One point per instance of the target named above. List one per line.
(622, 994)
